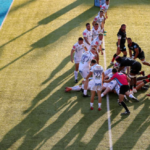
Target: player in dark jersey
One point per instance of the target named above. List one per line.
(121, 42)
(135, 68)
(137, 51)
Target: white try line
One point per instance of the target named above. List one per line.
(108, 108)
(6, 14)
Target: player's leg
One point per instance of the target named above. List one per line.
(131, 96)
(107, 90)
(142, 84)
(124, 53)
(92, 99)
(123, 90)
(74, 88)
(76, 72)
(142, 58)
(145, 63)
(99, 99)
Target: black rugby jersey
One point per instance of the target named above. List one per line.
(123, 37)
(126, 62)
(133, 46)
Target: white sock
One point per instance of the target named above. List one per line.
(99, 105)
(76, 75)
(85, 92)
(76, 88)
(131, 96)
(102, 95)
(91, 104)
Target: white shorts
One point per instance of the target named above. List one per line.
(77, 60)
(117, 89)
(105, 85)
(112, 84)
(96, 87)
(84, 72)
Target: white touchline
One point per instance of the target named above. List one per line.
(7, 14)
(108, 108)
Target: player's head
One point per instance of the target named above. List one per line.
(93, 50)
(114, 70)
(129, 40)
(101, 12)
(80, 40)
(123, 27)
(107, 2)
(88, 26)
(93, 62)
(118, 59)
(96, 26)
(100, 36)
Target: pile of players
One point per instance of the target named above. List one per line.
(120, 79)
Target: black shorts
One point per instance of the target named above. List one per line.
(141, 55)
(122, 47)
(124, 89)
(135, 68)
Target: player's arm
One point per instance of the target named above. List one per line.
(128, 70)
(102, 78)
(93, 23)
(120, 68)
(119, 39)
(128, 79)
(100, 49)
(72, 51)
(107, 81)
(89, 75)
(130, 53)
(136, 53)
(106, 15)
(86, 40)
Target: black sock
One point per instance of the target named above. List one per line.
(134, 85)
(124, 55)
(115, 55)
(125, 107)
(131, 87)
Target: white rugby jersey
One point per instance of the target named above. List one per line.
(99, 19)
(88, 35)
(96, 43)
(86, 57)
(95, 33)
(97, 74)
(108, 71)
(104, 8)
(79, 49)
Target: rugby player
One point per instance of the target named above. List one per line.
(95, 31)
(121, 43)
(105, 8)
(100, 20)
(98, 77)
(135, 68)
(87, 35)
(84, 67)
(78, 49)
(137, 51)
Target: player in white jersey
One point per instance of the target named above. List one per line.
(108, 71)
(100, 20)
(98, 77)
(96, 30)
(97, 43)
(105, 7)
(84, 67)
(78, 49)
(87, 35)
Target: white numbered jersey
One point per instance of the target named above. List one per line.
(86, 57)
(88, 35)
(108, 71)
(110, 75)
(97, 71)
(117, 89)
(79, 49)
(99, 19)
(95, 33)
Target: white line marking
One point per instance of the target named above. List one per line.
(6, 14)
(108, 108)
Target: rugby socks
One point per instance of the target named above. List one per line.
(85, 92)
(124, 55)
(99, 105)
(131, 96)
(91, 104)
(125, 107)
(114, 58)
(130, 87)
(146, 81)
(76, 88)
(76, 75)
(102, 95)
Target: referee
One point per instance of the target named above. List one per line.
(121, 43)
(122, 81)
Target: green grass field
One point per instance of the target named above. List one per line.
(35, 67)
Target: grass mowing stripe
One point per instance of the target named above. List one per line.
(108, 108)
(5, 8)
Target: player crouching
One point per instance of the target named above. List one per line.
(98, 77)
